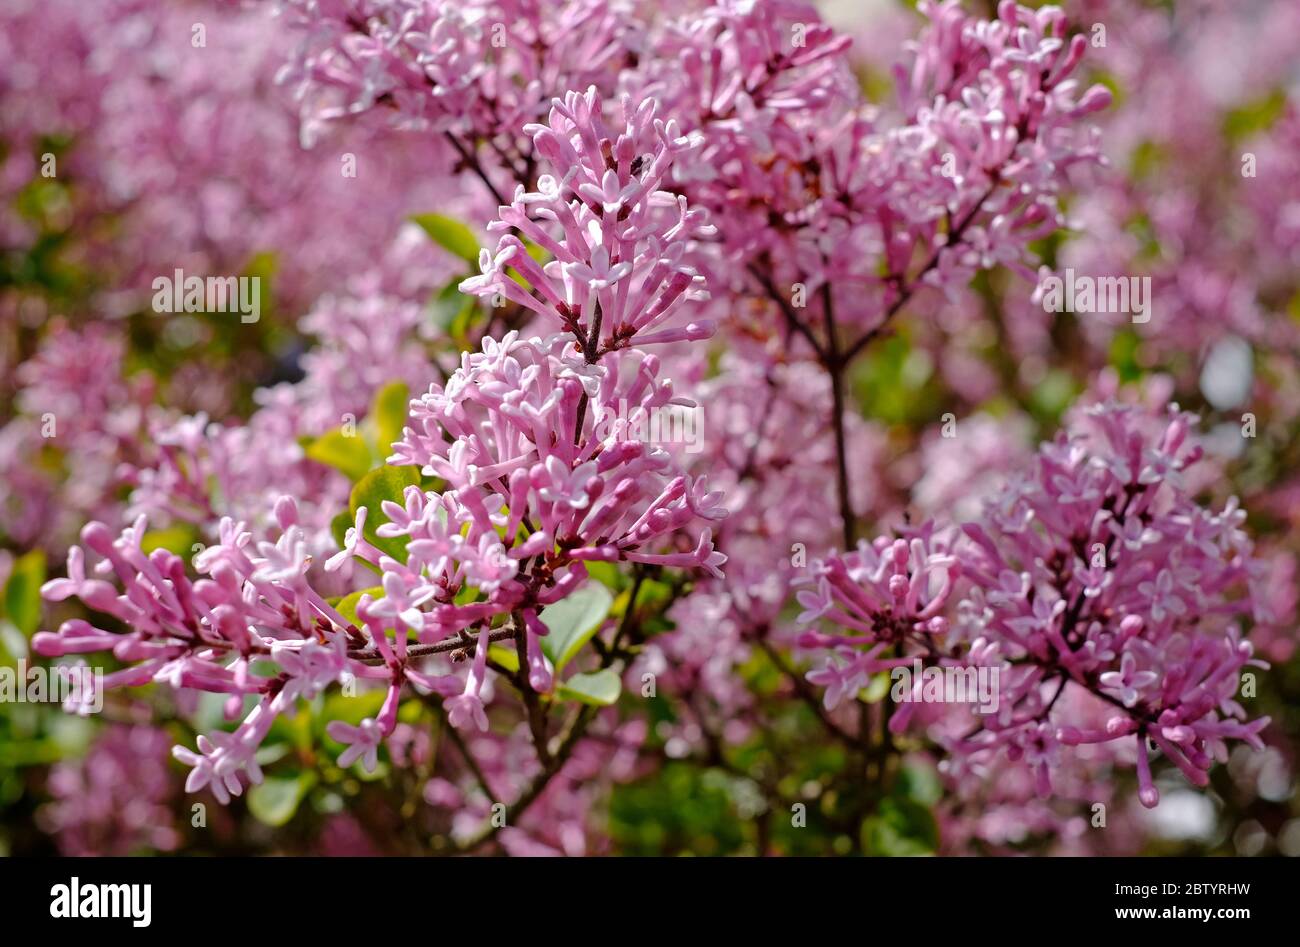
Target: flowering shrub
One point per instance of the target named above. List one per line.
(1096, 572)
(536, 524)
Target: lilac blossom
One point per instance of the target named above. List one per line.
(1051, 599)
(531, 490)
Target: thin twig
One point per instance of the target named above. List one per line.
(807, 696)
(442, 647)
(907, 292)
(835, 368)
(791, 317)
(454, 735)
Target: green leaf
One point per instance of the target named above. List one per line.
(177, 539)
(453, 236)
(1147, 158)
(919, 782)
(339, 527)
(572, 622)
(351, 710)
(455, 312)
(538, 253)
(876, 689)
(382, 483)
(23, 591)
(275, 800)
(263, 266)
(270, 753)
(1053, 394)
(460, 323)
(1254, 117)
(347, 454)
(389, 413)
(1124, 355)
(508, 658)
(893, 381)
(23, 753)
(902, 827)
(600, 688)
(607, 574)
(347, 606)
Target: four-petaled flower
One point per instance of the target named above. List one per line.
(1128, 681)
(362, 742)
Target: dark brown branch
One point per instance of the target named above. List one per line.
(532, 702)
(554, 757)
(791, 317)
(470, 160)
(442, 647)
(807, 695)
(454, 735)
(835, 366)
(555, 762)
(908, 291)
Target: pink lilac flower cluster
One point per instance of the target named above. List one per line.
(618, 267)
(472, 72)
(155, 171)
(365, 342)
(77, 418)
(1002, 82)
(1213, 226)
(1196, 194)
(371, 334)
(1095, 573)
(200, 467)
(172, 154)
(1218, 213)
(810, 185)
(772, 456)
(117, 800)
(811, 189)
(534, 485)
(90, 441)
